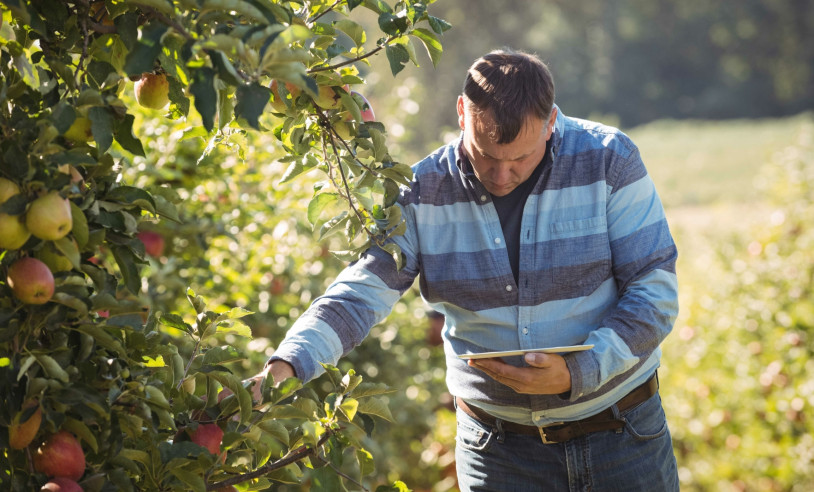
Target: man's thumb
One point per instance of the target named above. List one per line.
(536, 359)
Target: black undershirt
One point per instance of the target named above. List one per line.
(510, 211)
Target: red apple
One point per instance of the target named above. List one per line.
(153, 90)
(209, 436)
(31, 281)
(61, 484)
(153, 243)
(60, 456)
(49, 217)
(20, 434)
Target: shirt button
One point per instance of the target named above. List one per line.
(525, 331)
(483, 198)
(508, 288)
(497, 240)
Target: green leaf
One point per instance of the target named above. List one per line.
(52, 368)
(439, 25)
(153, 362)
(431, 42)
(221, 355)
(142, 57)
(130, 195)
(285, 389)
(82, 431)
(370, 389)
(235, 327)
(101, 126)
(375, 406)
(398, 57)
(70, 250)
(236, 385)
(128, 265)
(123, 133)
(365, 459)
(325, 479)
(398, 486)
(276, 429)
(379, 144)
(80, 225)
(234, 313)
(354, 31)
(318, 204)
(206, 98)
(251, 102)
(194, 480)
(349, 406)
(175, 321)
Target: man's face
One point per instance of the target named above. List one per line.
(502, 167)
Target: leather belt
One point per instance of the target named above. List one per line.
(603, 420)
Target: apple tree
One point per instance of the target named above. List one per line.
(103, 389)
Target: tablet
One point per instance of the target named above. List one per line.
(545, 350)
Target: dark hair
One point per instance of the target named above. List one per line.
(510, 86)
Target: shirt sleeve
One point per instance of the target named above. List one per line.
(362, 295)
(644, 257)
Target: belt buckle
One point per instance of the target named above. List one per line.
(544, 437)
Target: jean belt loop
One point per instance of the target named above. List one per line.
(501, 434)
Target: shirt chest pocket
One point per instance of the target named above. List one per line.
(580, 252)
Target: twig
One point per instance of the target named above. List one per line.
(353, 60)
(341, 473)
(166, 20)
(292, 457)
(311, 22)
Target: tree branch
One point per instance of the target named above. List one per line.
(353, 60)
(311, 22)
(300, 453)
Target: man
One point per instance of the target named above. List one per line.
(532, 230)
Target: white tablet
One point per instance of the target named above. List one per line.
(546, 350)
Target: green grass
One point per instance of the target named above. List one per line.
(712, 162)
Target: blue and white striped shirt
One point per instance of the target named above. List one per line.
(597, 266)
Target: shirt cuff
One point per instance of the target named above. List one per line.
(584, 371)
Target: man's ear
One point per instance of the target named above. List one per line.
(461, 114)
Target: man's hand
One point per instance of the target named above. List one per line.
(280, 370)
(548, 374)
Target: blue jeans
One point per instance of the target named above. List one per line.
(638, 457)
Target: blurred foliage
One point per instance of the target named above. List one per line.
(737, 372)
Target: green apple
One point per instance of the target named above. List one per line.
(327, 98)
(80, 130)
(49, 217)
(153, 90)
(53, 258)
(13, 232)
(8, 189)
(31, 281)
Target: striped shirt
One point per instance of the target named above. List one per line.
(597, 266)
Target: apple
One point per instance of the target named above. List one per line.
(153, 243)
(367, 108)
(8, 189)
(153, 90)
(327, 98)
(13, 232)
(49, 217)
(20, 434)
(53, 258)
(189, 385)
(277, 100)
(60, 456)
(80, 130)
(209, 436)
(31, 281)
(61, 484)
